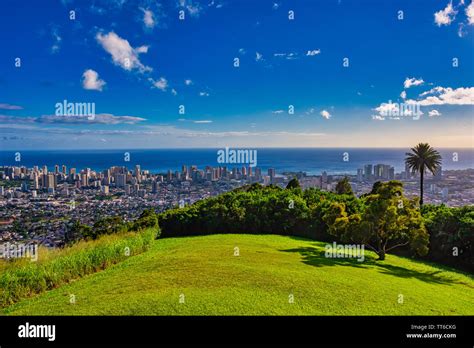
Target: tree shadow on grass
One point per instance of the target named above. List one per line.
(316, 257)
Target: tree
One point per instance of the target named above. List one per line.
(343, 187)
(293, 184)
(421, 158)
(78, 231)
(388, 220)
(451, 231)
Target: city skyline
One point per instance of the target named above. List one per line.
(156, 79)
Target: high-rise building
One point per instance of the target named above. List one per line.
(360, 175)
(35, 181)
(138, 173)
(368, 172)
(266, 180)
(444, 194)
(324, 177)
(215, 174)
(184, 172)
(378, 169)
(50, 181)
(407, 172)
(120, 180)
(56, 169)
(271, 174)
(155, 186)
(391, 173)
(25, 187)
(84, 180)
(64, 169)
(439, 174)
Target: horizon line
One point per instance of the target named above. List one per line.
(231, 147)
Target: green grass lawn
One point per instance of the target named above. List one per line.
(257, 282)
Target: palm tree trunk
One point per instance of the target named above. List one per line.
(421, 187)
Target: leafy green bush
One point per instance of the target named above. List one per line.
(256, 209)
(451, 233)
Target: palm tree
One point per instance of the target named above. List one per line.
(421, 158)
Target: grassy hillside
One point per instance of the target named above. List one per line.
(21, 278)
(257, 282)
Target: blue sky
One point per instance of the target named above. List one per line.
(138, 62)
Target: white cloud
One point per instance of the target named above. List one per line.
(386, 108)
(188, 82)
(403, 95)
(57, 40)
(258, 57)
(275, 6)
(203, 94)
(470, 13)
(142, 49)
(91, 80)
(122, 53)
(446, 16)
(325, 114)
(434, 113)
(148, 18)
(98, 119)
(433, 90)
(194, 8)
(313, 52)
(10, 107)
(174, 92)
(55, 119)
(412, 82)
(447, 96)
(278, 112)
(288, 56)
(461, 30)
(393, 110)
(203, 121)
(161, 84)
(378, 117)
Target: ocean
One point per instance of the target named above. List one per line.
(309, 160)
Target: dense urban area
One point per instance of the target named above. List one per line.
(38, 204)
